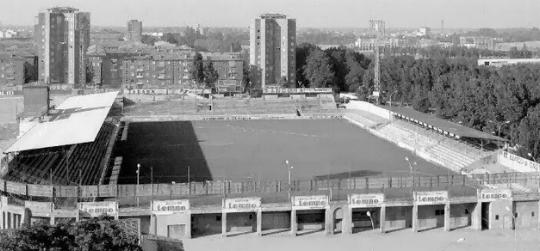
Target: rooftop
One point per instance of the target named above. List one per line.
(77, 120)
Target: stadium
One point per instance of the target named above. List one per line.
(183, 165)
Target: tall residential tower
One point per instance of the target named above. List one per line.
(134, 31)
(63, 35)
(273, 48)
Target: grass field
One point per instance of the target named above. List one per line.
(258, 148)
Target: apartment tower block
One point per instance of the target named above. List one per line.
(273, 49)
(63, 35)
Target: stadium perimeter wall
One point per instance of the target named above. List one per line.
(424, 210)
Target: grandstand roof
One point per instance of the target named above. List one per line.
(77, 120)
(447, 127)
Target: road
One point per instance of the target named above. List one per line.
(435, 240)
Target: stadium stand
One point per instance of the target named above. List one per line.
(452, 153)
(234, 106)
(73, 164)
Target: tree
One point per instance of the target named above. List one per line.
(302, 52)
(102, 233)
(210, 74)
(317, 69)
(149, 40)
(197, 68)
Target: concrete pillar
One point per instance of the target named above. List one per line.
(347, 221)
(415, 218)
(8, 220)
(476, 217)
(223, 224)
(294, 223)
(382, 221)
(447, 216)
(259, 222)
(14, 221)
(328, 221)
(188, 226)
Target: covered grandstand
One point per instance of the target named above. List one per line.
(441, 125)
(68, 146)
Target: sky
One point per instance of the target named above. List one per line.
(308, 13)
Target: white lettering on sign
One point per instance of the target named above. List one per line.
(310, 202)
(431, 197)
(169, 206)
(241, 204)
(366, 200)
(494, 194)
(95, 209)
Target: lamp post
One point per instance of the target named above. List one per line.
(411, 169)
(368, 213)
(138, 174)
(289, 170)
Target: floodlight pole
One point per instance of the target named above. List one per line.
(138, 171)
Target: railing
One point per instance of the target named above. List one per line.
(236, 188)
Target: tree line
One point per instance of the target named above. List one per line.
(447, 82)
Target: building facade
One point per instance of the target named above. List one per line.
(159, 69)
(273, 48)
(15, 70)
(477, 42)
(63, 36)
(134, 31)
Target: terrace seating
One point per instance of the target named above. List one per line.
(452, 153)
(231, 106)
(83, 165)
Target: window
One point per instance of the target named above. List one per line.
(218, 217)
(439, 212)
(496, 217)
(532, 214)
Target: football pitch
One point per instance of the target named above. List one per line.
(257, 149)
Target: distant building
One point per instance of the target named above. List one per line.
(477, 42)
(507, 61)
(9, 33)
(104, 37)
(424, 32)
(134, 31)
(63, 36)
(13, 68)
(160, 68)
(273, 48)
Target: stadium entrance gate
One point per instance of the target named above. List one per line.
(430, 209)
(205, 224)
(366, 211)
(496, 209)
(309, 213)
(241, 215)
(277, 221)
(365, 219)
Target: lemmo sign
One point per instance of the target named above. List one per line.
(241, 204)
(366, 200)
(170, 206)
(431, 197)
(95, 209)
(309, 202)
(494, 194)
